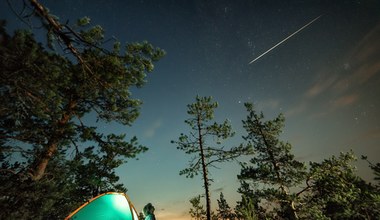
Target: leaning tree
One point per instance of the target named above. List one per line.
(48, 94)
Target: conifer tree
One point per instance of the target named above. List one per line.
(224, 210)
(334, 191)
(246, 209)
(275, 185)
(52, 159)
(45, 95)
(197, 210)
(272, 170)
(204, 142)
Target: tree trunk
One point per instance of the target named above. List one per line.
(204, 170)
(276, 167)
(39, 171)
(41, 162)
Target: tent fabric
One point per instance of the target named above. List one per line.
(107, 206)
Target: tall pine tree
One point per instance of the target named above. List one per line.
(204, 142)
(272, 170)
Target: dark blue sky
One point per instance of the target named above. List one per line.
(325, 80)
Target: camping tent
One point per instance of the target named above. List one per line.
(106, 206)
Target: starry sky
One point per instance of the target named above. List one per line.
(325, 79)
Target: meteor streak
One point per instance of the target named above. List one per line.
(285, 39)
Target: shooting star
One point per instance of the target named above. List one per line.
(285, 39)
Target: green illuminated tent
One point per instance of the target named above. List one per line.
(106, 206)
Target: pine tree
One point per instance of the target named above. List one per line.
(273, 169)
(246, 209)
(197, 143)
(45, 95)
(224, 210)
(51, 159)
(274, 185)
(197, 210)
(334, 191)
(375, 168)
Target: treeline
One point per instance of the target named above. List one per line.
(52, 161)
(273, 184)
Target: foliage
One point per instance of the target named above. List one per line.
(330, 189)
(375, 168)
(273, 169)
(67, 184)
(49, 198)
(197, 211)
(334, 191)
(224, 211)
(51, 158)
(246, 208)
(203, 131)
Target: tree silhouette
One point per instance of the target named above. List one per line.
(197, 143)
(275, 185)
(197, 210)
(334, 191)
(273, 169)
(224, 211)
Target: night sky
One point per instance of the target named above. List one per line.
(325, 79)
